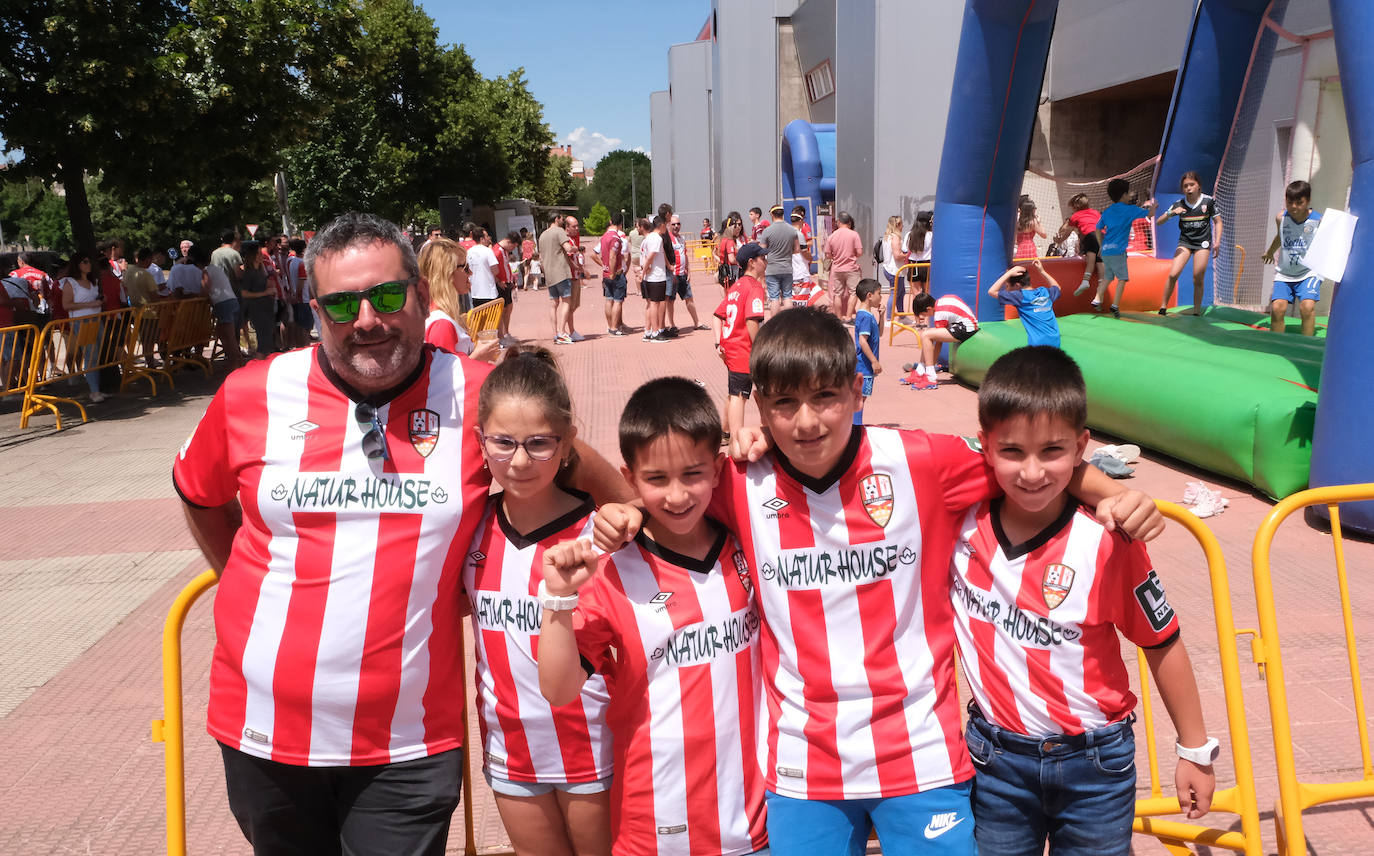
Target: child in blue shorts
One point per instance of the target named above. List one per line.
(1293, 282)
(1113, 233)
(868, 333)
(1035, 305)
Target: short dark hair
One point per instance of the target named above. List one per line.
(617, 219)
(866, 287)
(846, 218)
(667, 405)
(143, 254)
(800, 348)
(1116, 188)
(227, 236)
(513, 237)
(1187, 175)
(468, 226)
(353, 229)
(756, 210)
(1030, 381)
(665, 210)
(922, 302)
(659, 220)
(1297, 190)
(297, 246)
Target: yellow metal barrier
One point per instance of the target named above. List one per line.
(170, 729)
(486, 317)
(89, 343)
(16, 358)
(897, 325)
(1295, 796)
(1240, 798)
(186, 328)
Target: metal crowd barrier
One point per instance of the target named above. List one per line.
(16, 358)
(1296, 796)
(112, 339)
(1240, 798)
(170, 729)
(898, 325)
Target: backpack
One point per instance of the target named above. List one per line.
(878, 251)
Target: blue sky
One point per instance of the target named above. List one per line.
(592, 65)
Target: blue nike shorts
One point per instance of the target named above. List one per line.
(1307, 289)
(937, 821)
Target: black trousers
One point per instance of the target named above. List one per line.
(401, 808)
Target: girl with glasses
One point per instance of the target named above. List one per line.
(549, 767)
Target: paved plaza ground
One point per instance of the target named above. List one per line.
(96, 550)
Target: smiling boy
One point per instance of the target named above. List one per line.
(849, 531)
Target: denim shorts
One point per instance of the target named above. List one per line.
(779, 285)
(538, 789)
(562, 288)
(1076, 791)
(679, 287)
(613, 288)
(227, 311)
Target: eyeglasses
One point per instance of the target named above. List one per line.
(374, 441)
(386, 297)
(539, 447)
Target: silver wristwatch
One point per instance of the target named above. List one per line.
(554, 603)
(1202, 755)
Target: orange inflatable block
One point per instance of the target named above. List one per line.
(1149, 276)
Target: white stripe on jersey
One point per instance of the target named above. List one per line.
(286, 382)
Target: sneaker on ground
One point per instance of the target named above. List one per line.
(703, 326)
(914, 377)
(1163, 311)
(97, 397)
(578, 337)
(562, 339)
(616, 332)
(670, 331)
(1082, 287)
(924, 384)
(1116, 312)
(660, 336)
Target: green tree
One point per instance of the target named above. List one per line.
(31, 212)
(193, 95)
(597, 219)
(612, 182)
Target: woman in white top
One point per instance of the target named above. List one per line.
(918, 243)
(81, 297)
(444, 271)
(894, 256)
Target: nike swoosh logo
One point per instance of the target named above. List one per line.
(936, 833)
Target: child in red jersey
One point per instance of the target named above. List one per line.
(1040, 589)
(849, 531)
(671, 623)
(736, 324)
(549, 767)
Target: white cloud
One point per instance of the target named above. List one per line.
(590, 146)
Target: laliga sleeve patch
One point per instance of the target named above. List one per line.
(1150, 595)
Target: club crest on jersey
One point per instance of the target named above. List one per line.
(742, 568)
(876, 490)
(1055, 584)
(424, 431)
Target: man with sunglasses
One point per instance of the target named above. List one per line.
(337, 489)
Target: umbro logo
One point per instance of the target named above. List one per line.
(477, 555)
(942, 822)
(300, 429)
(777, 503)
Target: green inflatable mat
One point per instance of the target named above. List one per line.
(1213, 392)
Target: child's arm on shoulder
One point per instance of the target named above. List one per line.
(1132, 511)
(1173, 673)
(996, 288)
(593, 474)
(567, 567)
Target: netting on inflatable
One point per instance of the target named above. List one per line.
(1051, 196)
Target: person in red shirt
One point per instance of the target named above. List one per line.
(758, 221)
(505, 283)
(527, 253)
(727, 265)
(578, 274)
(1083, 220)
(610, 252)
(736, 323)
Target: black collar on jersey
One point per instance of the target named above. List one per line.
(700, 566)
(381, 398)
(558, 524)
(825, 482)
(1041, 538)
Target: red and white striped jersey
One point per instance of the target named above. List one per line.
(677, 639)
(523, 738)
(853, 585)
(1037, 622)
(950, 308)
(444, 333)
(338, 633)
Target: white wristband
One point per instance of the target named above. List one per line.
(1203, 755)
(554, 603)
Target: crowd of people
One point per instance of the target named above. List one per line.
(685, 654)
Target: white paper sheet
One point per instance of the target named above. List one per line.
(1330, 248)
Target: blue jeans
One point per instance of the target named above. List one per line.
(937, 821)
(1076, 791)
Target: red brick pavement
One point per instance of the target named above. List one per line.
(80, 775)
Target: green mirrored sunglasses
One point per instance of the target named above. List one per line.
(386, 297)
